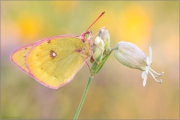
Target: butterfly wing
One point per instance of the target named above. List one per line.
(18, 57)
(55, 62)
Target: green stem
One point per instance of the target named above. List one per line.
(83, 98)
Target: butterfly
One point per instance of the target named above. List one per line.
(54, 61)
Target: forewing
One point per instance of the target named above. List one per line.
(55, 62)
(18, 57)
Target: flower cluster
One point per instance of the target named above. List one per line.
(101, 44)
(126, 53)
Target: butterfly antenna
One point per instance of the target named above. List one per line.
(95, 20)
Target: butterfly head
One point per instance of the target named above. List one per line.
(85, 36)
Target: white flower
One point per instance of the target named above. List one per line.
(132, 56)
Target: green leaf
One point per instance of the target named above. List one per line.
(95, 68)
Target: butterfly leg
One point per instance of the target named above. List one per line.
(95, 34)
(92, 42)
(88, 64)
(85, 60)
(91, 51)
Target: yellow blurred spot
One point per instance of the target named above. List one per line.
(30, 26)
(135, 25)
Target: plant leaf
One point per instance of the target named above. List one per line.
(95, 68)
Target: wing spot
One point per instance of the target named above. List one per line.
(25, 48)
(49, 41)
(79, 51)
(52, 54)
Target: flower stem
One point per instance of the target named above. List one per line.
(83, 98)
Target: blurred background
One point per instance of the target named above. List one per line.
(116, 92)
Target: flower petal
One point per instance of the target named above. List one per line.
(144, 76)
(148, 61)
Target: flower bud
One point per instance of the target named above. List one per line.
(104, 34)
(98, 49)
(132, 56)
